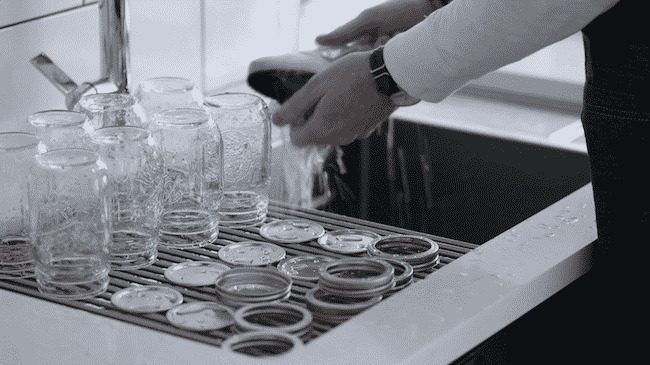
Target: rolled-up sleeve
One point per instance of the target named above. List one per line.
(469, 38)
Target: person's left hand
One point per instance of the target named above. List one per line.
(345, 103)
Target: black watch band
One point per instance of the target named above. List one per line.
(384, 81)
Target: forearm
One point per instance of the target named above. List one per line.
(469, 38)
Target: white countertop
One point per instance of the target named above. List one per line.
(500, 119)
(431, 322)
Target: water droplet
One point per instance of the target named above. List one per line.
(463, 274)
(570, 220)
(550, 235)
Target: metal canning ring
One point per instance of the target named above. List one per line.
(427, 265)
(403, 270)
(236, 302)
(297, 320)
(362, 273)
(412, 249)
(322, 302)
(272, 343)
(359, 293)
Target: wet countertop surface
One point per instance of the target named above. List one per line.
(433, 321)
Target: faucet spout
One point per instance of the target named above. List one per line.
(114, 57)
(114, 42)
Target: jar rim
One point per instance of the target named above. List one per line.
(64, 158)
(56, 118)
(102, 102)
(181, 118)
(167, 84)
(232, 100)
(119, 135)
(17, 141)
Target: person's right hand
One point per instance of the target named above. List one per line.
(383, 20)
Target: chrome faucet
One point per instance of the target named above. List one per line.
(114, 57)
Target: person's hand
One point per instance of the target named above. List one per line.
(381, 21)
(337, 105)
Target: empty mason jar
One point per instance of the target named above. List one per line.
(192, 153)
(110, 110)
(70, 223)
(59, 129)
(161, 93)
(135, 174)
(244, 122)
(17, 151)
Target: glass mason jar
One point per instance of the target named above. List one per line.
(70, 223)
(245, 127)
(59, 129)
(161, 93)
(135, 174)
(110, 110)
(17, 152)
(192, 153)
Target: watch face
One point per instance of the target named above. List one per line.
(403, 99)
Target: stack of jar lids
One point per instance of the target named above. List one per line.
(403, 275)
(249, 285)
(421, 253)
(282, 317)
(349, 286)
(334, 309)
(357, 277)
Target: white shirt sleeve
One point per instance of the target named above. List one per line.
(469, 38)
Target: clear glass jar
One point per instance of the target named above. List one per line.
(135, 174)
(17, 152)
(245, 126)
(161, 93)
(110, 110)
(59, 129)
(192, 153)
(70, 223)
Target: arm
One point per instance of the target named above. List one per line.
(469, 38)
(452, 46)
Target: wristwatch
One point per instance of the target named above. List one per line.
(384, 81)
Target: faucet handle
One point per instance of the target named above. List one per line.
(60, 79)
(49, 69)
